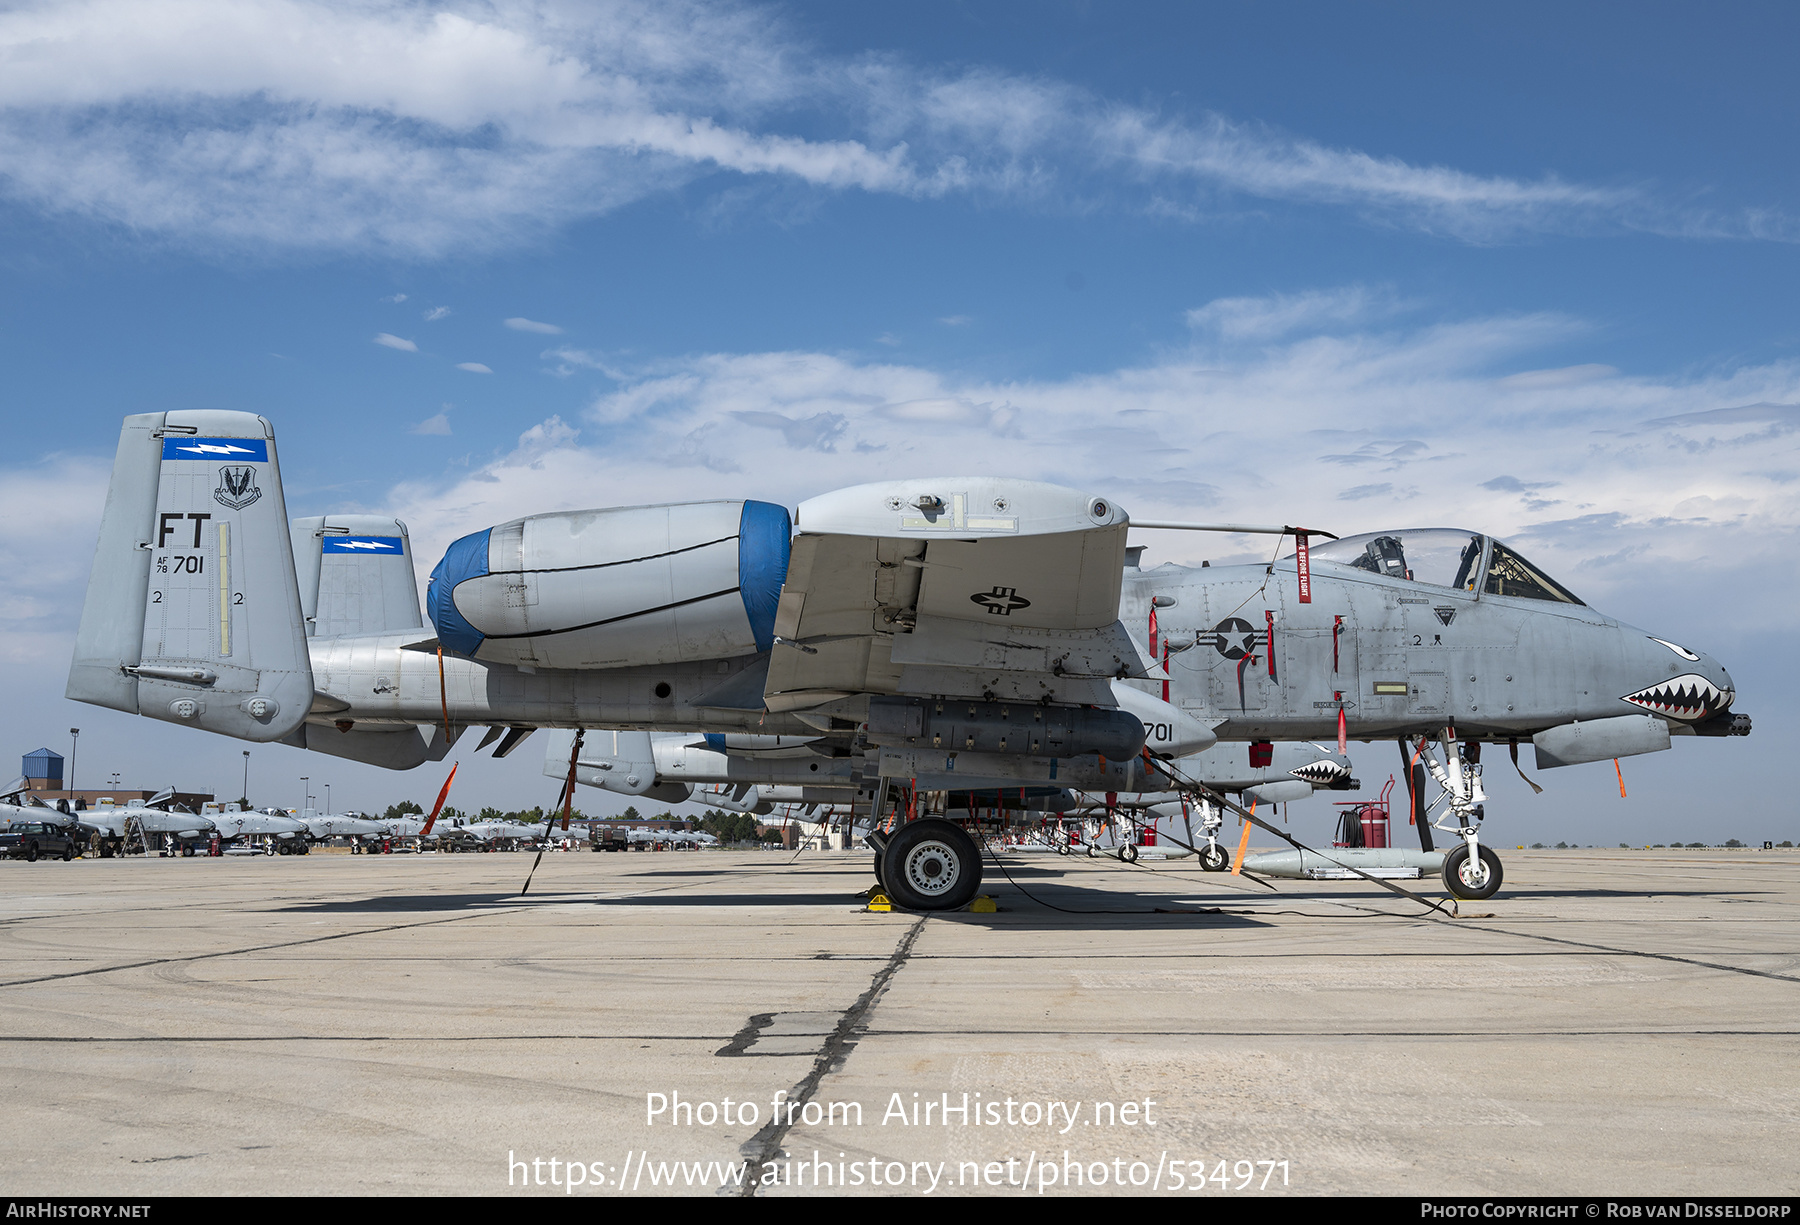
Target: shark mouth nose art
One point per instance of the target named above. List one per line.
(1319, 771)
(1683, 697)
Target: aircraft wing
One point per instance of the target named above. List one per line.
(968, 587)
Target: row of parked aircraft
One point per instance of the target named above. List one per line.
(109, 828)
(932, 646)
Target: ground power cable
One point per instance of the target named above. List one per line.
(998, 863)
(1200, 788)
(1111, 862)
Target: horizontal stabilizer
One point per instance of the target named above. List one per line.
(400, 748)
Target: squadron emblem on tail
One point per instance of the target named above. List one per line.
(237, 487)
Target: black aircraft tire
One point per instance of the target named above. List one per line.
(1213, 858)
(1062, 848)
(1471, 891)
(931, 865)
(1092, 853)
(1128, 853)
(878, 877)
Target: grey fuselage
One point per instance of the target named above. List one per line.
(1412, 658)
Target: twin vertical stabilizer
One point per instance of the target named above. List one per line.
(193, 609)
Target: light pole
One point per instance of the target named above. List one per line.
(74, 736)
(245, 793)
(327, 799)
(305, 792)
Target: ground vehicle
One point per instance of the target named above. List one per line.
(32, 840)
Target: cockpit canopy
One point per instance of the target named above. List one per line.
(1446, 557)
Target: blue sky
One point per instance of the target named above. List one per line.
(1527, 270)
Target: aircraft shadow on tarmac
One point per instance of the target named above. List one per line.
(419, 902)
(1053, 905)
(1053, 900)
(845, 871)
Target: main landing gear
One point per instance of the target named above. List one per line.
(928, 864)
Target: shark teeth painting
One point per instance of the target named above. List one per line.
(1319, 771)
(1683, 697)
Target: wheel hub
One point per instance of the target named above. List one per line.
(932, 868)
(1473, 872)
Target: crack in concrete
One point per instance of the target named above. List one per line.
(766, 1143)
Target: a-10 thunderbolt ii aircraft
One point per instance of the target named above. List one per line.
(957, 626)
(111, 828)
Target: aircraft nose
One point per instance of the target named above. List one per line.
(1697, 686)
(1725, 681)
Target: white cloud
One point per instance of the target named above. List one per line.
(436, 313)
(569, 360)
(396, 298)
(956, 321)
(396, 342)
(473, 367)
(1676, 497)
(1277, 315)
(1566, 376)
(531, 325)
(333, 124)
(439, 424)
(1612, 482)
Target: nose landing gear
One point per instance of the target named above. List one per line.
(1212, 856)
(1471, 871)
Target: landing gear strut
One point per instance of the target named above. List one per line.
(1471, 871)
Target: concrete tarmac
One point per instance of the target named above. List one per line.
(1614, 1023)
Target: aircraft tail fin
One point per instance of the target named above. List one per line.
(621, 762)
(193, 610)
(355, 574)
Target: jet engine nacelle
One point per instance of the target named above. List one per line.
(615, 588)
